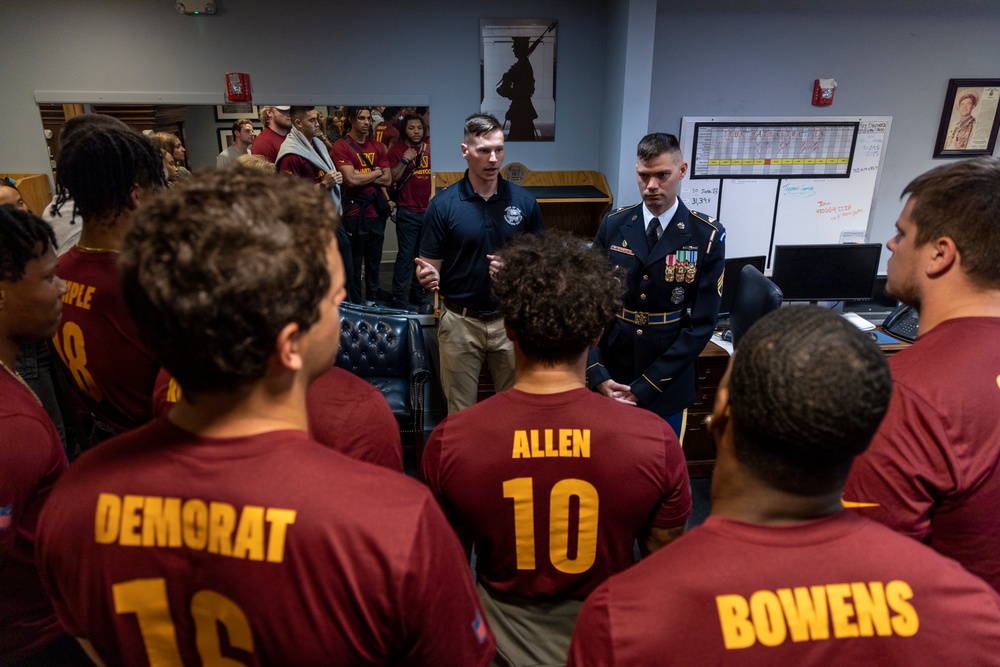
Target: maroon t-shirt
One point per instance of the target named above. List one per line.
(31, 459)
(344, 153)
(346, 414)
(841, 590)
(299, 166)
(553, 489)
(270, 549)
(933, 469)
(267, 144)
(112, 370)
(386, 133)
(416, 192)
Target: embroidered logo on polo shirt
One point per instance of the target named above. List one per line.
(513, 215)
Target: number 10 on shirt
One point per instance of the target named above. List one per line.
(521, 491)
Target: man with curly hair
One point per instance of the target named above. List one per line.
(553, 483)
(224, 527)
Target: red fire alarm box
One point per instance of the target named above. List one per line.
(238, 87)
(823, 92)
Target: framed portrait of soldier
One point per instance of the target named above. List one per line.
(518, 76)
(970, 121)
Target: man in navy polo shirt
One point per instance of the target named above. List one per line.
(465, 227)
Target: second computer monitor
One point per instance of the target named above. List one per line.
(829, 272)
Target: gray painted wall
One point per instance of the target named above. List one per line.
(317, 55)
(889, 58)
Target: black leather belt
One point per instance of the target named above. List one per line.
(649, 319)
(481, 315)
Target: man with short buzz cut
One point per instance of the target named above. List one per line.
(304, 154)
(109, 171)
(277, 122)
(780, 573)
(551, 482)
(243, 136)
(933, 470)
(465, 229)
(31, 453)
(674, 259)
(223, 529)
(363, 163)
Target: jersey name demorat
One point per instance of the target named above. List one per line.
(542, 443)
(251, 532)
(816, 613)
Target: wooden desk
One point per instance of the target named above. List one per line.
(699, 446)
(573, 201)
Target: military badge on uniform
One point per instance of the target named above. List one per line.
(622, 250)
(681, 266)
(677, 295)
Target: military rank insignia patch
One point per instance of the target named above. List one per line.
(681, 266)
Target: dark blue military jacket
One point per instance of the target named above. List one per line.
(671, 304)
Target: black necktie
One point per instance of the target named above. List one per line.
(653, 232)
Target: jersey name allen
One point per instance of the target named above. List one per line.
(856, 609)
(541, 443)
(253, 532)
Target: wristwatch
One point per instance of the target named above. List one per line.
(404, 160)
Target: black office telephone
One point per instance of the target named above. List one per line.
(902, 323)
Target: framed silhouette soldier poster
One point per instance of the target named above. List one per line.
(518, 76)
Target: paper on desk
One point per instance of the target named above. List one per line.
(724, 344)
(858, 321)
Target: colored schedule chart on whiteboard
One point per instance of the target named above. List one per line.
(773, 150)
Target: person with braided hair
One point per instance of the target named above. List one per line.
(107, 171)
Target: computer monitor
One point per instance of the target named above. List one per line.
(829, 272)
(733, 268)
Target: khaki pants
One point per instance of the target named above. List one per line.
(463, 343)
(530, 634)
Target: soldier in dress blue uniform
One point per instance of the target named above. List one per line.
(674, 259)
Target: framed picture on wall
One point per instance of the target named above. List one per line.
(970, 121)
(518, 76)
(225, 138)
(236, 111)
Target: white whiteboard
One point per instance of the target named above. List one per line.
(761, 213)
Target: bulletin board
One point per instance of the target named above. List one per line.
(784, 181)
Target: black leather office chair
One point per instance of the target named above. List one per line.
(756, 296)
(387, 349)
